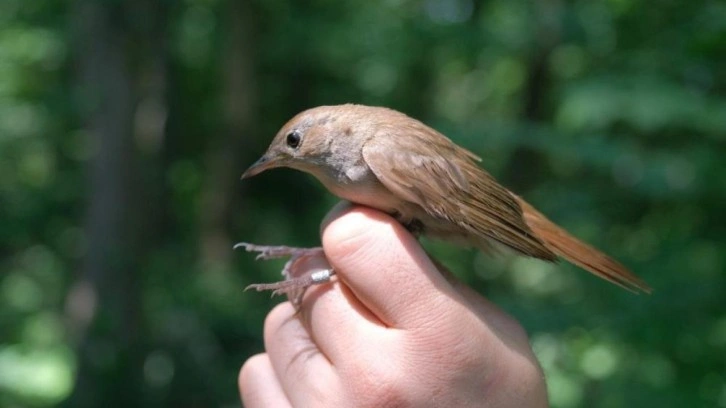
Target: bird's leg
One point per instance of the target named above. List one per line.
(306, 267)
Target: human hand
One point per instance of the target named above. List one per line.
(390, 331)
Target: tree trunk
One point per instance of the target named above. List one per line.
(103, 307)
(226, 153)
(521, 178)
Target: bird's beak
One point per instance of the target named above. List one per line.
(264, 163)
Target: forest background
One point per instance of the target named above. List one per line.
(125, 125)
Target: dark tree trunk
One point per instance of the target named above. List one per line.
(224, 160)
(518, 176)
(105, 288)
(103, 308)
(526, 162)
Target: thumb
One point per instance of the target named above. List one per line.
(384, 266)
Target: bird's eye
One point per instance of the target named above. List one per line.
(293, 139)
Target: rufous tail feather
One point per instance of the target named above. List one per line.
(579, 253)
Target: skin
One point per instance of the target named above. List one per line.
(363, 341)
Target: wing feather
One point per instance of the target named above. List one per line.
(444, 180)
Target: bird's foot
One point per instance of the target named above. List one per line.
(306, 267)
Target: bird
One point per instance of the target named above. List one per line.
(383, 159)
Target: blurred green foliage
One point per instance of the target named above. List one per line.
(124, 126)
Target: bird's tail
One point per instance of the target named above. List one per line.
(579, 253)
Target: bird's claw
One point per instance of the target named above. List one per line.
(298, 275)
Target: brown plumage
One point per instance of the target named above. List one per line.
(386, 160)
(579, 253)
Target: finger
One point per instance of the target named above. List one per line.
(334, 317)
(386, 268)
(259, 386)
(304, 372)
(339, 322)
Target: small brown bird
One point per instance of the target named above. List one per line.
(383, 159)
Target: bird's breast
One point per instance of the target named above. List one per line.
(369, 192)
(359, 185)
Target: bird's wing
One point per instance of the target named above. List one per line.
(445, 181)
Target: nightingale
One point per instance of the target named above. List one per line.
(386, 160)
